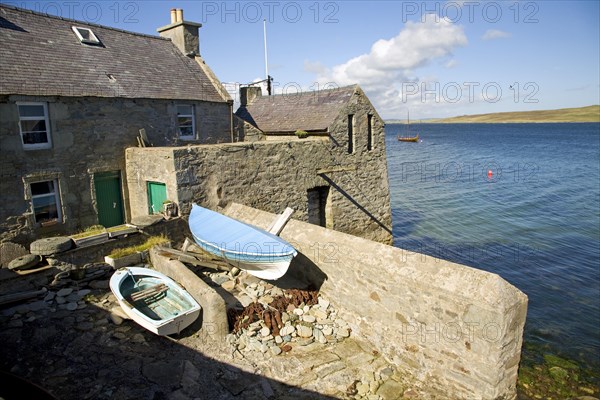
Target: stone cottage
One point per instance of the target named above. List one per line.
(73, 96)
(336, 177)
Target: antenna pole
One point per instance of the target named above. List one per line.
(266, 59)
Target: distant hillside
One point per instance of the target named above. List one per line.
(581, 114)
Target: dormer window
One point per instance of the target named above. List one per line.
(85, 35)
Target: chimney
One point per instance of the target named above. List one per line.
(248, 94)
(183, 34)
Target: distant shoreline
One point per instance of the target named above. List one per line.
(564, 115)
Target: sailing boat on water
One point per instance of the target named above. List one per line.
(414, 139)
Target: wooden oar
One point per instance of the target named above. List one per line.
(152, 291)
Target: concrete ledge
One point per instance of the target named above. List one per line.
(450, 328)
(214, 310)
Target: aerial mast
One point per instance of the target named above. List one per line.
(267, 77)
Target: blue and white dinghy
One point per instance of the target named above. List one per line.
(247, 247)
(154, 300)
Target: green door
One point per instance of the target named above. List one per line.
(108, 198)
(157, 194)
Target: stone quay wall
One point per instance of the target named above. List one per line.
(456, 331)
(89, 135)
(269, 175)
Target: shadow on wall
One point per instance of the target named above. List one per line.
(303, 273)
(357, 204)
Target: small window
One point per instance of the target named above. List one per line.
(34, 126)
(85, 35)
(350, 133)
(45, 201)
(186, 122)
(369, 131)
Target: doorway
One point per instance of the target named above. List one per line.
(319, 207)
(157, 194)
(109, 200)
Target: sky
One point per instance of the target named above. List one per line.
(432, 59)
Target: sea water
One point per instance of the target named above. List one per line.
(519, 200)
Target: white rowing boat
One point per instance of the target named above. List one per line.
(154, 300)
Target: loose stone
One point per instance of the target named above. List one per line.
(319, 336)
(343, 332)
(64, 292)
(362, 389)
(71, 306)
(116, 319)
(287, 330)
(323, 303)
(278, 339)
(308, 318)
(275, 350)
(328, 331)
(298, 311)
(304, 331)
(265, 332)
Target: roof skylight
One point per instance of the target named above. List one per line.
(85, 35)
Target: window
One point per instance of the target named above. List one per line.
(186, 122)
(350, 133)
(85, 35)
(45, 201)
(34, 125)
(369, 131)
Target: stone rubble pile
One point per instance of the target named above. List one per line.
(277, 320)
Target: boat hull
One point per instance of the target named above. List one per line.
(408, 139)
(165, 314)
(258, 252)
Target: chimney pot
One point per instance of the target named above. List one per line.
(183, 34)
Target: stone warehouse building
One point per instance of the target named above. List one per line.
(70, 127)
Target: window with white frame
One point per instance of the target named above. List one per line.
(85, 35)
(46, 201)
(34, 126)
(186, 121)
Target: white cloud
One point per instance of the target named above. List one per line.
(452, 63)
(492, 34)
(383, 72)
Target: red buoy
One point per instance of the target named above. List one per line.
(490, 174)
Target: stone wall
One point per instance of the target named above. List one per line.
(456, 331)
(270, 175)
(89, 135)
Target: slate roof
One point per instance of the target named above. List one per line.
(309, 111)
(41, 55)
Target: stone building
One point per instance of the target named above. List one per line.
(73, 96)
(73, 152)
(336, 177)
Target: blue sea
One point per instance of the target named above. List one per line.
(519, 200)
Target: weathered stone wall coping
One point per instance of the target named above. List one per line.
(457, 330)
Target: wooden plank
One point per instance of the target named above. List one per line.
(153, 291)
(279, 222)
(16, 297)
(194, 259)
(144, 137)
